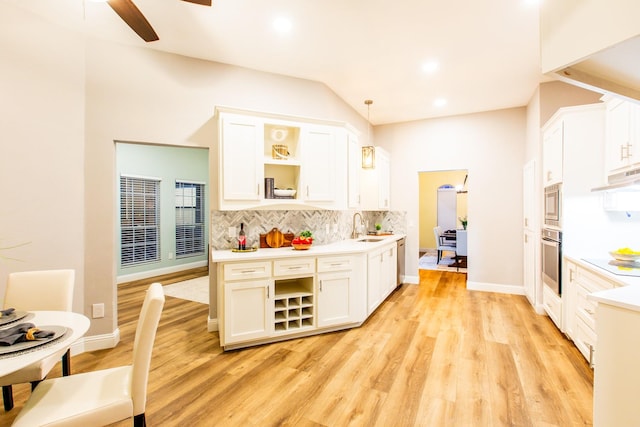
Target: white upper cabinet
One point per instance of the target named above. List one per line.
(552, 141)
(241, 165)
(355, 163)
(319, 159)
(375, 183)
(279, 162)
(623, 134)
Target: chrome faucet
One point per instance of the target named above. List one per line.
(354, 232)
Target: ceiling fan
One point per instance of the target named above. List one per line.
(132, 16)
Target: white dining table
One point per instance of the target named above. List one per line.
(76, 324)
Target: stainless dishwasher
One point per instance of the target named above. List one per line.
(400, 253)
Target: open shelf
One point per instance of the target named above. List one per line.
(294, 304)
(282, 156)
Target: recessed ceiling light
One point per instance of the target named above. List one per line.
(282, 24)
(440, 102)
(430, 66)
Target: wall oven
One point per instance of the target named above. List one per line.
(552, 205)
(552, 259)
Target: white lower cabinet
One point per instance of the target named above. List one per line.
(381, 275)
(247, 310)
(552, 305)
(334, 298)
(341, 291)
(580, 281)
(290, 297)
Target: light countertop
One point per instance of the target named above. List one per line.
(620, 279)
(626, 295)
(348, 246)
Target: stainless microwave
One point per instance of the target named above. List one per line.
(553, 205)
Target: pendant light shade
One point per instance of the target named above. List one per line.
(368, 157)
(368, 151)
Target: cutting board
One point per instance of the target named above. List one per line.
(275, 239)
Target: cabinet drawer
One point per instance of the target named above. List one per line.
(591, 282)
(585, 340)
(335, 264)
(288, 267)
(247, 270)
(585, 308)
(552, 305)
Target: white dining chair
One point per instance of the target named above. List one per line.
(441, 244)
(50, 290)
(101, 397)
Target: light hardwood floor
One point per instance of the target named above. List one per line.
(433, 354)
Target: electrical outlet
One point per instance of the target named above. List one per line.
(97, 311)
(232, 232)
(326, 228)
(170, 255)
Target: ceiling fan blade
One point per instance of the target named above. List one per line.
(202, 2)
(132, 16)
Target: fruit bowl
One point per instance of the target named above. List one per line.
(625, 256)
(280, 192)
(301, 246)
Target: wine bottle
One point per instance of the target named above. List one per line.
(242, 238)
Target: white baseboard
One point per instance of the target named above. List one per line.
(412, 280)
(160, 271)
(494, 287)
(96, 342)
(212, 324)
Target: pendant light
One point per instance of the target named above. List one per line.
(368, 151)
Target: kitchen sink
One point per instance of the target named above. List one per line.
(369, 240)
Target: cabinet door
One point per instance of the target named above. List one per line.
(247, 310)
(374, 281)
(552, 154)
(334, 298)
(319, 159)
(241, 150)
(529, 268)
(384, 175)
(354, 165)
(618, 133)
(389, 270)
(569, 297)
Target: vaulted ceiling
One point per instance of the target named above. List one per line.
(405, 55)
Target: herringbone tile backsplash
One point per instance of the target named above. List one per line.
(261, 222)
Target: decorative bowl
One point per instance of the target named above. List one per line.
(624, 257)
(284, 193)
(301, 246)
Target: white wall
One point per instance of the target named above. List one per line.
(490, 146)
(42, 147)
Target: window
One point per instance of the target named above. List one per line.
(189, 219)
(139, 220)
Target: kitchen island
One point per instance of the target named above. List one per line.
(616, 384)
(275, 294)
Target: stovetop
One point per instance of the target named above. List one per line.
(616, 267)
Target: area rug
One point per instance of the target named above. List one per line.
(428, 262)
(196, 290)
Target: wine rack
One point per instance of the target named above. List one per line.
(294, 305)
